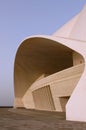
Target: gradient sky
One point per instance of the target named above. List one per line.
(22, 18)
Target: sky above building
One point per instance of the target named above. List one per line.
(22, 18)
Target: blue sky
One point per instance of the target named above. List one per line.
(23, 18)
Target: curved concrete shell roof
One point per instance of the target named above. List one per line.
(43, 63)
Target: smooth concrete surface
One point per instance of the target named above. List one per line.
(22, 119)
(43, 98)
(39, 57)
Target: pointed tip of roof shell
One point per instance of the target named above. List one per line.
(75, 28)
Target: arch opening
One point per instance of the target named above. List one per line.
(45, 66)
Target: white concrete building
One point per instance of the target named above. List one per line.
(50, 72)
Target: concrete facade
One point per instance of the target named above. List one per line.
(49, 71)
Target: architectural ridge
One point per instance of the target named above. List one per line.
(66, 29)
(70, 39)
(75, 28)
